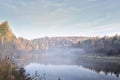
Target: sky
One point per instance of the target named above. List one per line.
(40, 18)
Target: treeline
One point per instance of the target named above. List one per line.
(105, 45)
(9, 43)
(56, 42)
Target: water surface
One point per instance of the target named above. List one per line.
(68, 72)
(74, 64)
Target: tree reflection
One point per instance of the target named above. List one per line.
(106, 66)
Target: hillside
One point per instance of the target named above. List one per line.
(102, 46)
(7, 40)
(59, 42)
(5, 32)
(10, 44)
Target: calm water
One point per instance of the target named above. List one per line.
(71, 64)
(69, 72)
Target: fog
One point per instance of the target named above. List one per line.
(58, 56)
(72, 64)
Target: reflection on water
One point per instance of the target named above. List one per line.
(71, 72)
(99, 65)
(73, 64)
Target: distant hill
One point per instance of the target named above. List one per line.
(102, 46)
(60, 42)
(11, 45)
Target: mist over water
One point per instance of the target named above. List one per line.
(60, 56)
(73, 64)
(67, 72)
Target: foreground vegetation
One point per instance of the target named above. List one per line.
(10, 71)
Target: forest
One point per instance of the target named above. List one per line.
(105, 45)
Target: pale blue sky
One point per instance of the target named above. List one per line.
(39, 18)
